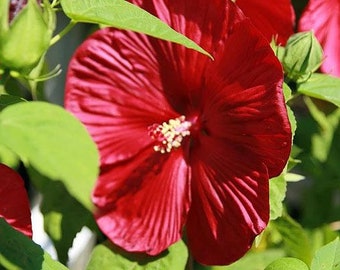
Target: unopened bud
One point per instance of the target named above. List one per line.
(303, 55)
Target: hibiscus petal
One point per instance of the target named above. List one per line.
(142, 204)
(272, 19)
(243, 101)
(14, 203)
(113, 87)
(206, 23)
(322, 18)
(230, 202)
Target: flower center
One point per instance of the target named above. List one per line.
(169, 134)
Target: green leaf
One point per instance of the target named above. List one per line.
(8, 158)
(19, 252)
(323, 140)
(53, 142)
(107, 257)
(277, 192)
(63, 219)
(296, 241)
(6, 100)
(323, 87)
(327, 257)
(287, 264)
(293, 177)
(124, 15)
(252, 261)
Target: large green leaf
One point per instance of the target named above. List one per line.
(17, 251)
(327, 257)
(124, 15)
(107, 257)
(53, 142)
(323, 87)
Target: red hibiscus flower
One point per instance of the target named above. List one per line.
(186, 143)
(14, 203)
(323, 17)
(274, 20)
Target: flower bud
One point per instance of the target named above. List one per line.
(303, 56)
(25, 33)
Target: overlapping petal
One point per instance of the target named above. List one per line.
(229, 201)
(14, 203)
(143, 203)
(323, 17)
(113, 87)
(243, 102)
(272, 18)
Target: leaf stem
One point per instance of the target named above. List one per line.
(63, 32)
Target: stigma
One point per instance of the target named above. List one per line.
(169, 135)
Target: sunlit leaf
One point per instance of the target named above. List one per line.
(53, 142)
(124, 15)
(323, 87)
(327, 257)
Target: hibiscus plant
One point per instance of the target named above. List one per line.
(197, 134)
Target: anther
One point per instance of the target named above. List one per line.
(169, 135)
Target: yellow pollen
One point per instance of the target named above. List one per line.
(169, 134)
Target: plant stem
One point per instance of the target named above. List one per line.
(63, 32)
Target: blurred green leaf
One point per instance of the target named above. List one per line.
(8, 157)
(63, 219)
(293, 177)
(124, 15)
(295, 239)
(6, 100)
(17, 251)
(54, 143)
(322, 86)
(327, 257)
(322, 141)
(106, 257)
(277, 193)
(287, 264)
